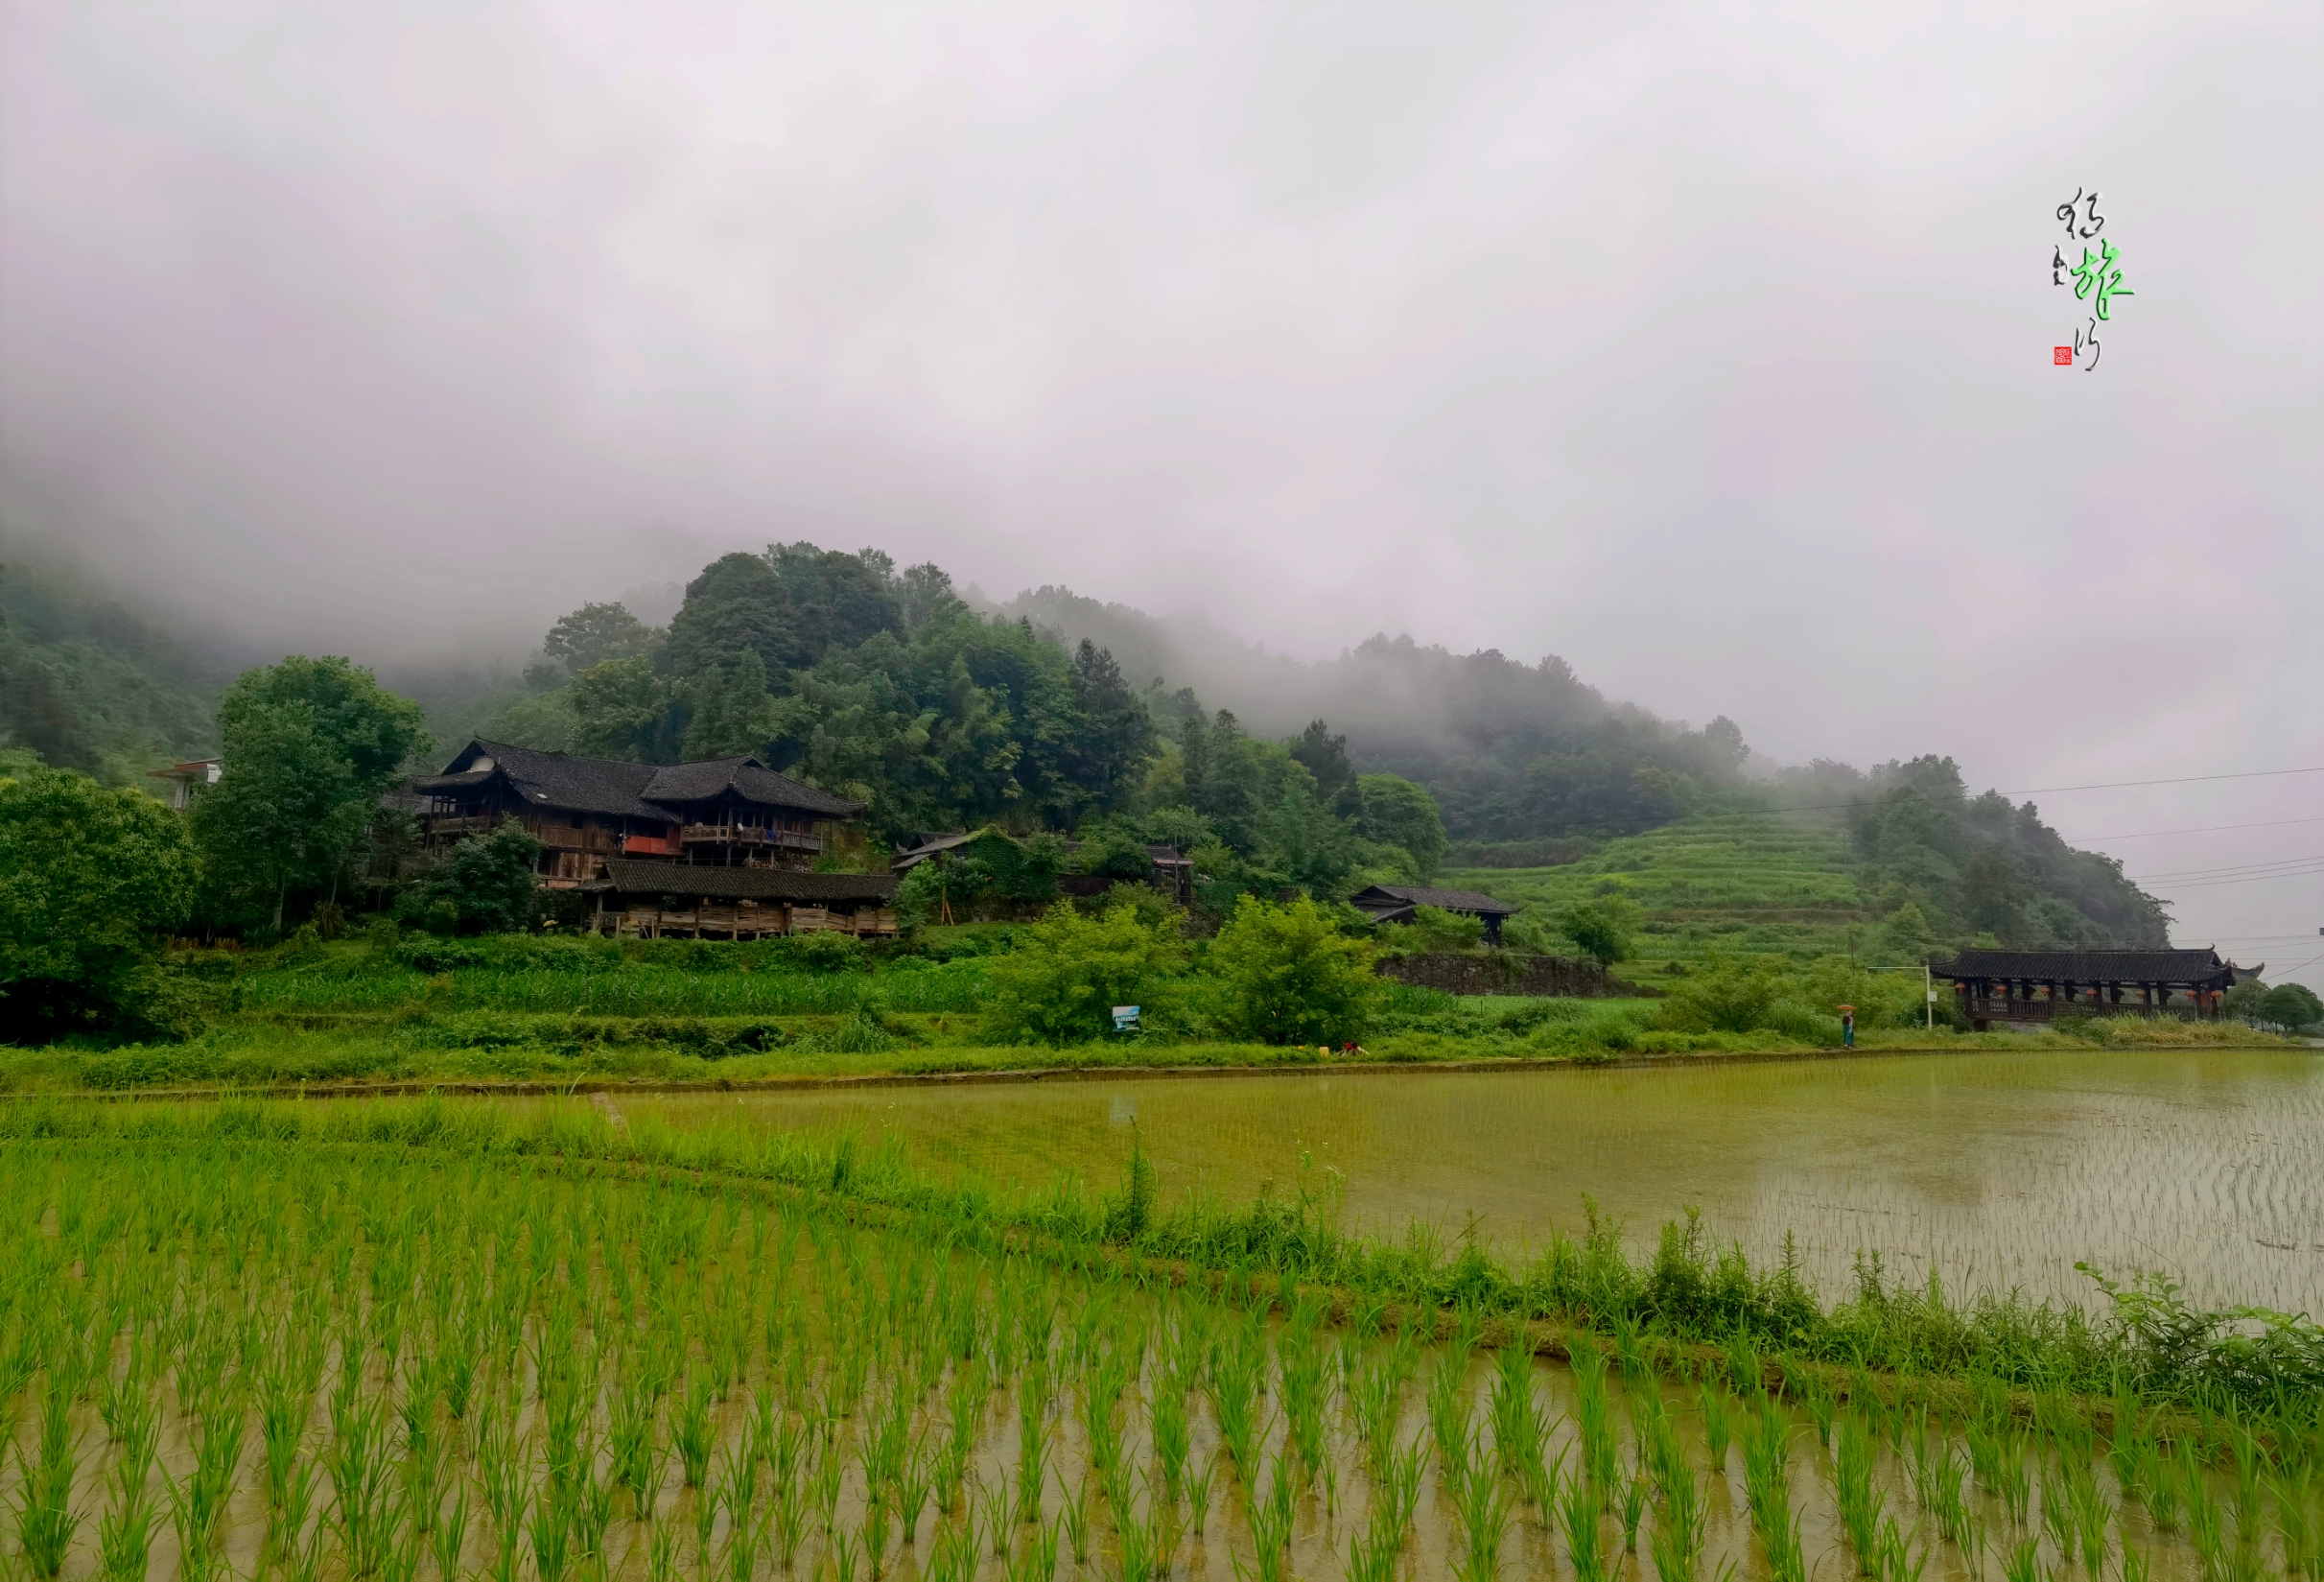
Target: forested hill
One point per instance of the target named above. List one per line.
(1059, 713)
(92, 685)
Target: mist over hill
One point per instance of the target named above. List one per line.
(1051, 710)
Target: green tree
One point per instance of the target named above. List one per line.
(1114, 736)
(595, 633)
(1325, 757)
(309, 744)
(1394, 810)
(731, 714)
(1603, 927)
(1302, 839)
(622, 709)
(1112, 848)
(484, 887)
(2291, 1006)
(1905, 933)
(1291, 977)
(89, 880)
(738, 605)
(1068, 973)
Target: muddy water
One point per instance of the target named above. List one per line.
(1999, 1170)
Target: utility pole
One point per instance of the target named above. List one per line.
(1928, 988)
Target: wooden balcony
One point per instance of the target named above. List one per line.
(748, 835)
(565, 838)
(462, 825)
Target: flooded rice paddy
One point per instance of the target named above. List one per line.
(2000, 1170)
(408, 1370)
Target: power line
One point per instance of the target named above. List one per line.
(2182, 780)
(2207, 829)
(2246, 879)
(2232, 868)
(2028, 791)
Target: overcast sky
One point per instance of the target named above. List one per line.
(1708, 347)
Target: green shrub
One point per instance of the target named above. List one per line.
(1068, 973)
(1727, 996)
(1603, 927)
(1293, 978)
(484, 887)
(1433, 930)
(89, 879)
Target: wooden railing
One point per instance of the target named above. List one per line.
(462, 825)
(1996, 1008)
(748, 835)
(740, 922)
(564, 837)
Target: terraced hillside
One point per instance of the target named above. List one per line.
(1741, 884)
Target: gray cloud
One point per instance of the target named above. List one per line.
(1704, 344)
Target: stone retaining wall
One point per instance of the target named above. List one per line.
(1505, 972)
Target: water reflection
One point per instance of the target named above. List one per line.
(2000, 1169)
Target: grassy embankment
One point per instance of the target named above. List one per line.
(561, 1012)
(565, 1010)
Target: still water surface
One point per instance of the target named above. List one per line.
(2000, 1169)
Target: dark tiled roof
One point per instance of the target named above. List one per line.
(599, 785)
(700, 782)
(559, 780)
(761, 784)
(911, 857)
(1422, 895)
(2164, 966)
(632, 877)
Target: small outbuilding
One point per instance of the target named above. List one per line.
(1397, 904)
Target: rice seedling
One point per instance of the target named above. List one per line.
(1862, 1506)
(124, 1538)
(1485, 1504)
(1198, 1493)
(45, 1518)
(1271, 1522)
(1682, 1526)
(1631, 1507)
(1372, 1557)
(1593, 1421)
(1579, 1517)
(2296, 1522)
(1766, 1458)
(1515, 1414)
(1717, 1423)
(991, 1503)
(1805, 1382)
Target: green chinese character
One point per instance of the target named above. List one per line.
(2095, 272)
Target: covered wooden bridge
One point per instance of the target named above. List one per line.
(2036, 985)
(678, 900)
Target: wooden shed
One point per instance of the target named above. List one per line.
(665, 900)
(1397, 904)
